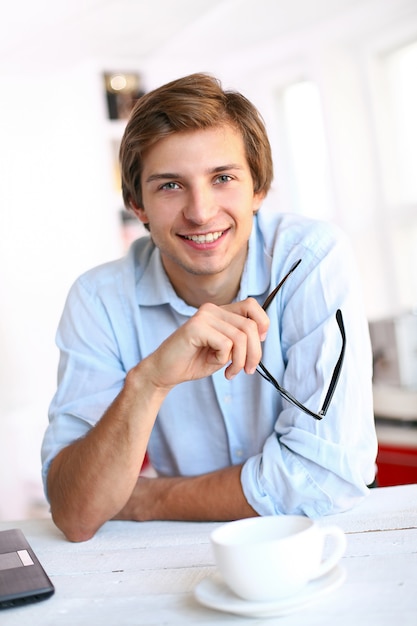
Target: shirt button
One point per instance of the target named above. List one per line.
(227, 399)
(239, 453)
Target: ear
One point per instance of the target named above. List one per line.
(139, 212)
(258, 198)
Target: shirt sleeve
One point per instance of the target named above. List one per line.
(308, 466)
(91, 370)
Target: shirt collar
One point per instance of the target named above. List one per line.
(256, 274)
(154, 287)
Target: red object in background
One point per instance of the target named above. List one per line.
(397, 465)
(145, 463)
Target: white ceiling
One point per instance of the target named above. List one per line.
(45, 33)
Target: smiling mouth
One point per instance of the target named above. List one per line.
(208, 238)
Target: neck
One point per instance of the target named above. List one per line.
(203, 289)
(197, 289)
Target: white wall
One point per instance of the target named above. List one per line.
(56, 221)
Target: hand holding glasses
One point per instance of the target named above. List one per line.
(336, 372)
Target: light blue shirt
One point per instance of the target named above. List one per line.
(120, 312)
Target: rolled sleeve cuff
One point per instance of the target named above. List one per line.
(288, 488)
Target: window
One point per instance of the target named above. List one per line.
(399, 80)
(397, 132)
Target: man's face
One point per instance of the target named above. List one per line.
(198, 200)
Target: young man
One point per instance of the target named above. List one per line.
(160, 351)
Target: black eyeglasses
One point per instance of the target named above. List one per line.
(336, 372)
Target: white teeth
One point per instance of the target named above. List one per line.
(209, 238)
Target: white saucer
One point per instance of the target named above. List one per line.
(214, 593)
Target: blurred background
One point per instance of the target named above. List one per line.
(336, 82)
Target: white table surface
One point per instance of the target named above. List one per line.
(145, 573)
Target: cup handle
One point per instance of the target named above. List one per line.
(339, 547)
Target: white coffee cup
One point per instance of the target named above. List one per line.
(273, 557)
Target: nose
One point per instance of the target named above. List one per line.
(200, 205)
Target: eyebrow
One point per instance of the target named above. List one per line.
(214, 170)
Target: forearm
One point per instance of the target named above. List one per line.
(216, 496)
(93, 478)
(96, 477)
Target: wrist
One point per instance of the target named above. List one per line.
(143, 379)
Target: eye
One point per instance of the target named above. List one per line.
(223, 178)
(170, 185)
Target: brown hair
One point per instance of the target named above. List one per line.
(194, 102)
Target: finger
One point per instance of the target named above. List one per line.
(250, 308)
(254, 348)
(238, 354)
(225, 337)
(243, 334)
(190, 353)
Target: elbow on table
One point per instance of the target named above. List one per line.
(71, 515)
(347, 498)
(74, 533)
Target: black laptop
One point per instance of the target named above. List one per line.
(22, 577)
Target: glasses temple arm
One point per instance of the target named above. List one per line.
(278, 287)
(286, 394)
(338, 367)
